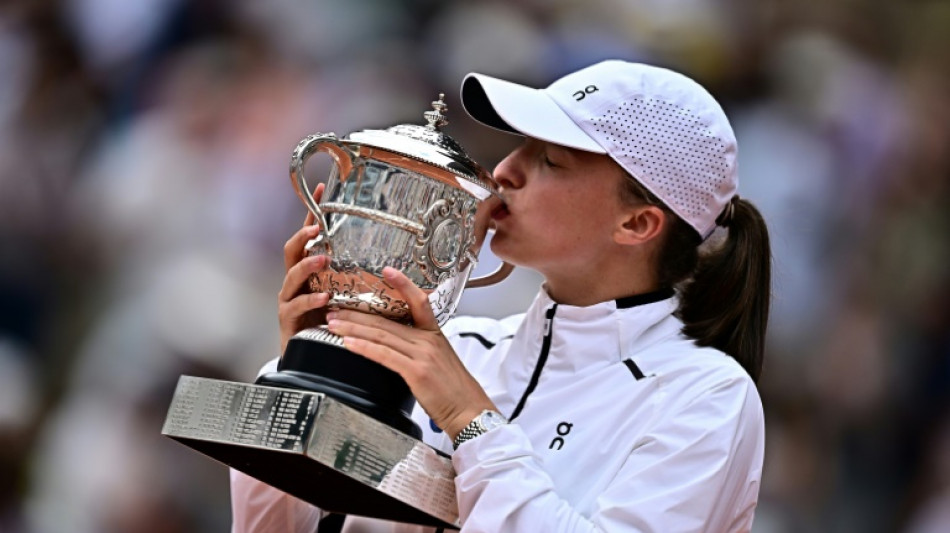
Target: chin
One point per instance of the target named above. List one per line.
(499, 248)
(503, 250)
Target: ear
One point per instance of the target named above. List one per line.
(640, 225)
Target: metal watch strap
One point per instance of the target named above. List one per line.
(475, 427)
(472, 430)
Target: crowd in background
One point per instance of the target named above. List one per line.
(145, 200)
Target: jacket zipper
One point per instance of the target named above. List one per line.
(545, 348)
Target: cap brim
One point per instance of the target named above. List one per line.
(522, 110)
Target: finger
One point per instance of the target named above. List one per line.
(371, 320)
(389, 358)
(294, 248)
(418, 300)
(298, 274)
(302, 304)
(383, 332)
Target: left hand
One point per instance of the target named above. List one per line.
(420, 354)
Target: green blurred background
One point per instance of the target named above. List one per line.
(144, 202)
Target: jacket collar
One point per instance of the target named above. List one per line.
(584, 338)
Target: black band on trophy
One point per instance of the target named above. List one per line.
(354, 380)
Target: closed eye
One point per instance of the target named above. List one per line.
(548, 162)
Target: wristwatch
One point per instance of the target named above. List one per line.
(481, 424)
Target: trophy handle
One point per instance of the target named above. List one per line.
(318, 142)
(498, 275)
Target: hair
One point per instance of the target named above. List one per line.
(724, 284)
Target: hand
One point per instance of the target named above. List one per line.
(297, 307)
(420, 354)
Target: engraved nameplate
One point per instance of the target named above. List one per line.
(234, 412)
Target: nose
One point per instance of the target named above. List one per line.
(509, 172)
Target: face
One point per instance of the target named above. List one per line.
(560, 211)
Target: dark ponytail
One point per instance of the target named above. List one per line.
(725, 284)
(726, 303)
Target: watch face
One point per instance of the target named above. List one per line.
(490, 420)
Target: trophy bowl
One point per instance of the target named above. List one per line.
(405, 197)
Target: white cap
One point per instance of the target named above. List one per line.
(663, 128)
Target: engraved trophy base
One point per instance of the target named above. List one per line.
(316, 448)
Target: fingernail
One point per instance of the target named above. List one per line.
(332, 324)
(389, 272)
(332, 316)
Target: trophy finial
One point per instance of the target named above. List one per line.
(436, 117)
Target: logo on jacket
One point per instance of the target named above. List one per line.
(562, 430)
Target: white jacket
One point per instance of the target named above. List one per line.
(624, 425)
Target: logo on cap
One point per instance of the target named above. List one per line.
(590, 89)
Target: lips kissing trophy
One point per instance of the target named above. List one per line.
(330, 426)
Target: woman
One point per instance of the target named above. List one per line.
(624, 398)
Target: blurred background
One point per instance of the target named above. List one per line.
(144, 203)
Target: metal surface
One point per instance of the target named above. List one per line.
(320, 334)
(316, 449)
(430, 145)
(375, 215)
(405, 197)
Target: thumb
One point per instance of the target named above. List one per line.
(418, 300)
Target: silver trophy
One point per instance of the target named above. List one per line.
(330, 426)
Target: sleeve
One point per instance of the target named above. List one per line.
(258, 507)
(697, 469)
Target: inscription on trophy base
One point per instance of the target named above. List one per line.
(315, 448)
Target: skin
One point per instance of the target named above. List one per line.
(562, 217)
(298, 309)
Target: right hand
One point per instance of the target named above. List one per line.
(297, 307)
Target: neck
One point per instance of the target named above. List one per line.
(595, 285)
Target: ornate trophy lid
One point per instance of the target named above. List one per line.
(430, 145)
